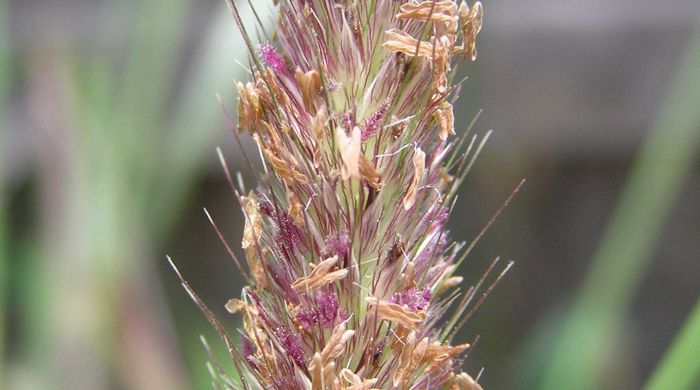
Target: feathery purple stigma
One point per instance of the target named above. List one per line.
(439, 216)
(288, 233)
(272, 58)
(338, 245)
(413, 298)
(324, 312)
(291, 342)
(374, 121)
(266, 208)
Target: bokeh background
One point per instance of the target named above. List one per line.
(109, 122)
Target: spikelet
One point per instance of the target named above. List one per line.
(350, 262)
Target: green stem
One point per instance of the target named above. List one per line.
(577, 360)
(4, 217)
(187, 149)
(680, 368)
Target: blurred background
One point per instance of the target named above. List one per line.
(109, 123)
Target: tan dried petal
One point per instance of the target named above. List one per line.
(310, 87)
(472, 21)
(316, 370)
(436, 354)
(418, 357)
(279, 93)
(320, 124)
(251, 235)
(320, 276)
(349, 148)
(275, 141)
(397, 128)
(465, 382)
(318, 134)
(400, 42)
(285, 169)
(408, 277)
(296, 209)
(418, 169)
(250, 323)
(448, 284)
(249, 109)
(439, 12)
(370, 173)
(436, 10)
(355, 382)
(441, 62)
(250, 313)
(402, 370)
(395, 313)
(235, 305)
(446, 120)
(336, 343)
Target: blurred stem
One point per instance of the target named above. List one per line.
(151, 62)
(577, 360)
(142, 340)
(680, 368)
(187, 148)
(148, 84)
(4, 266)
(4, 196)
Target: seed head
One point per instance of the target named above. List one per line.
(351, 265)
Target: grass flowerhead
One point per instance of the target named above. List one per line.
(351, 268)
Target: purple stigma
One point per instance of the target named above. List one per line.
(338, 245)
(288, 233)
(291, 342)
(324, 312)
(372, 124)
(413, 299)
(327, 308)
(266, 208)
(272, 58)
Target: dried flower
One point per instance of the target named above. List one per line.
(352, 270)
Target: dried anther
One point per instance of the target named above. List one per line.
(321, 275)
(443, 12)
(295, 209)
(400, 42)
(355, 382)
(369, 173)
(463, 381)
(472, 19)
(418, 170)
(249, 106)
(287, 169)
(446, 120)
(309, 86)
(251, 236)
(393, 312)
(322, 365)
(350, 150)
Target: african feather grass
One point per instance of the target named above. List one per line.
(350, 267)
